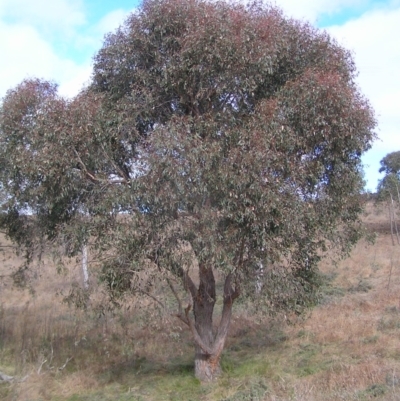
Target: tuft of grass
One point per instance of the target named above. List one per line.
(345, 349)
(329, 291)
(388, 323)
(372, 392)
(362, 286)
(235, 366)
(253, 391)
(370, 339)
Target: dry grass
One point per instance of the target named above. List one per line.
(346, 349)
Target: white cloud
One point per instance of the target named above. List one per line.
(374, 39)
(74, 79)
(25, 54)
(111, 21)
(59, 16)
(36, 35)
(310, 10)
(33, 37)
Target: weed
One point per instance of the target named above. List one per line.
(306, 365)
(392, 380)
(349, 342)
(392, 310)
(254, 391)
(375, 266)
(374, 391)
(362, 286)
(389, 323)
(371, 339)
(329, 291)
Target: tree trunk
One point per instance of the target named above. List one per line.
(206, 367)
(209, 342)
(85, 271)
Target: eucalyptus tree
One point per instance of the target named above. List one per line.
(390, 164)
(389, 188)
(213, 138)
(389, 184)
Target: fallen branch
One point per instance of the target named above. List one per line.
(40, 367)
(65, 364)
(6, 378)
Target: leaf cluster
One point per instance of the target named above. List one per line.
(212, 133)
(390, 183)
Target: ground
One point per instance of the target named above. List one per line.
(347, 348)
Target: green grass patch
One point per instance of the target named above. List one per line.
(310, 360)
(372, 392)
(4, 390)
(235, 366)
(328, 290)
(254, 391)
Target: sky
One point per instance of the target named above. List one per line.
(56, 40)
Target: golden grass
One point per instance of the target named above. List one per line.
(347, 348)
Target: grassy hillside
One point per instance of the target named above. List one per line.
(347, 348)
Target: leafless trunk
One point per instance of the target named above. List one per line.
(398, 193)
(209, 341)
(85, 271)
(259, 277)
(393, 222)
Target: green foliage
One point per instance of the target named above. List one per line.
(213, 134)
(389, 185)
(256, 391)
(329, 290)
(390, 164)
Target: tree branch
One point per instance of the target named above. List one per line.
(126, 178)
(95, 179)
(184, 275)
(240, 254)
(65, 364)
(180, 315)
(207, 350)
(189, 284)
(230, 295)
(89, 175)
(6, 378)
(150, 296)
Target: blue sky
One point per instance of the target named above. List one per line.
(56, 40)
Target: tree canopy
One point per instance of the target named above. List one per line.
(389, 185)
(390, 164)
(215, 140)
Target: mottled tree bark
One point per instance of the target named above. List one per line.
(85, 270)
(209, 340)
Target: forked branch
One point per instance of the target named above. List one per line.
(207, 350)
